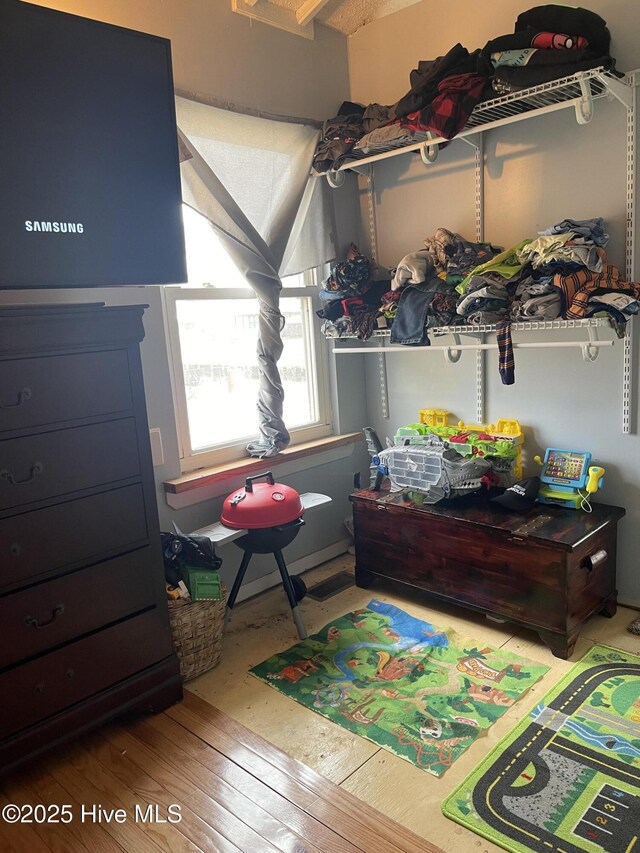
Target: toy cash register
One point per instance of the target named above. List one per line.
(567, 480)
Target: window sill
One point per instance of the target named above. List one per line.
(200, 485)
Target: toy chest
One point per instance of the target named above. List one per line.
(197, 628)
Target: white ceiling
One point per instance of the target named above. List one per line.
(347, 16)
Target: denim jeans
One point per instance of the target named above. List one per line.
(409, 325)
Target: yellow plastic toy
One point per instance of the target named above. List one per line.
(504, 439)
(434, 417)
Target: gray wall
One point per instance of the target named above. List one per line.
(221, 55)
(537, 172)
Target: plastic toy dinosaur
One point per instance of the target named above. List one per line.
(432, 469)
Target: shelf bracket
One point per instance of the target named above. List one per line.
(361, 170)
(335, 179)
(621, 91)
(584, 104)
(627, 378)
(453, 354)
(473, 139)
(479, 187)
(383, 387)
(480, 373)
(590, 353)
(373, 245)
(429, 151)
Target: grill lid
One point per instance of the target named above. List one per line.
(260, 505)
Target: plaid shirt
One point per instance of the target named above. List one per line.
(448, 112)
(576, 288)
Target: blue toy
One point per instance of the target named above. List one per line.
(567, 478)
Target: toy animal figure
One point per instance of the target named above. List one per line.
(431, 469)
(374, 446)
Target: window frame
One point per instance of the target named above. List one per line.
(317, 364)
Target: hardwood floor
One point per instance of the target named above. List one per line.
(231, 790)
(254, 771)
(407, 794)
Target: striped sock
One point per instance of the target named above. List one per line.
(506, 361)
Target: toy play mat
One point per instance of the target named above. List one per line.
(567, 779)
(422, 692)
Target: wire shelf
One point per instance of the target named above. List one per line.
(557, 94)
(531, 326)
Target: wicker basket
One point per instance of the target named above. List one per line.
(197, 628)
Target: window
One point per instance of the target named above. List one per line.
(212, 328)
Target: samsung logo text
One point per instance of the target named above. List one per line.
(54, 227)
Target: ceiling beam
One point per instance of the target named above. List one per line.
(275, 16)
(309, 10)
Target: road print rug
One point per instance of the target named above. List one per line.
(422, 692)
(567, 778)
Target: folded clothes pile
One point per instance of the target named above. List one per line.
(535, 299)
(548, 42)
(453, 282)
(352, 294)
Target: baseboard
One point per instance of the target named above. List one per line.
(309, 561)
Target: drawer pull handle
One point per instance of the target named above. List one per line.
(40, 687)
(594, 560)
(58, 610)
(70, 673)
(36, 468)
(23, 396)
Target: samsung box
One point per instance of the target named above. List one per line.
(89, 174)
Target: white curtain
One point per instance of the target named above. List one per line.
(250, 177)
(312, 241)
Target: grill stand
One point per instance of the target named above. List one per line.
(286, 583)
(267, 541)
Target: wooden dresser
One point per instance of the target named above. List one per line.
(84, 630)
(548, 569)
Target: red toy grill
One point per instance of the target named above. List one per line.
(263, 518)
(263, 505)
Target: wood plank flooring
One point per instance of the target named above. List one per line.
(231, 789)
(254, 771)
(412, 797)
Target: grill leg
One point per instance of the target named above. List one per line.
(288, 588)
(235, 589)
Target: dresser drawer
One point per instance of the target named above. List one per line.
(75, 532)
(52, 464)
(53, 682)
(61, 610)
(48, 390)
